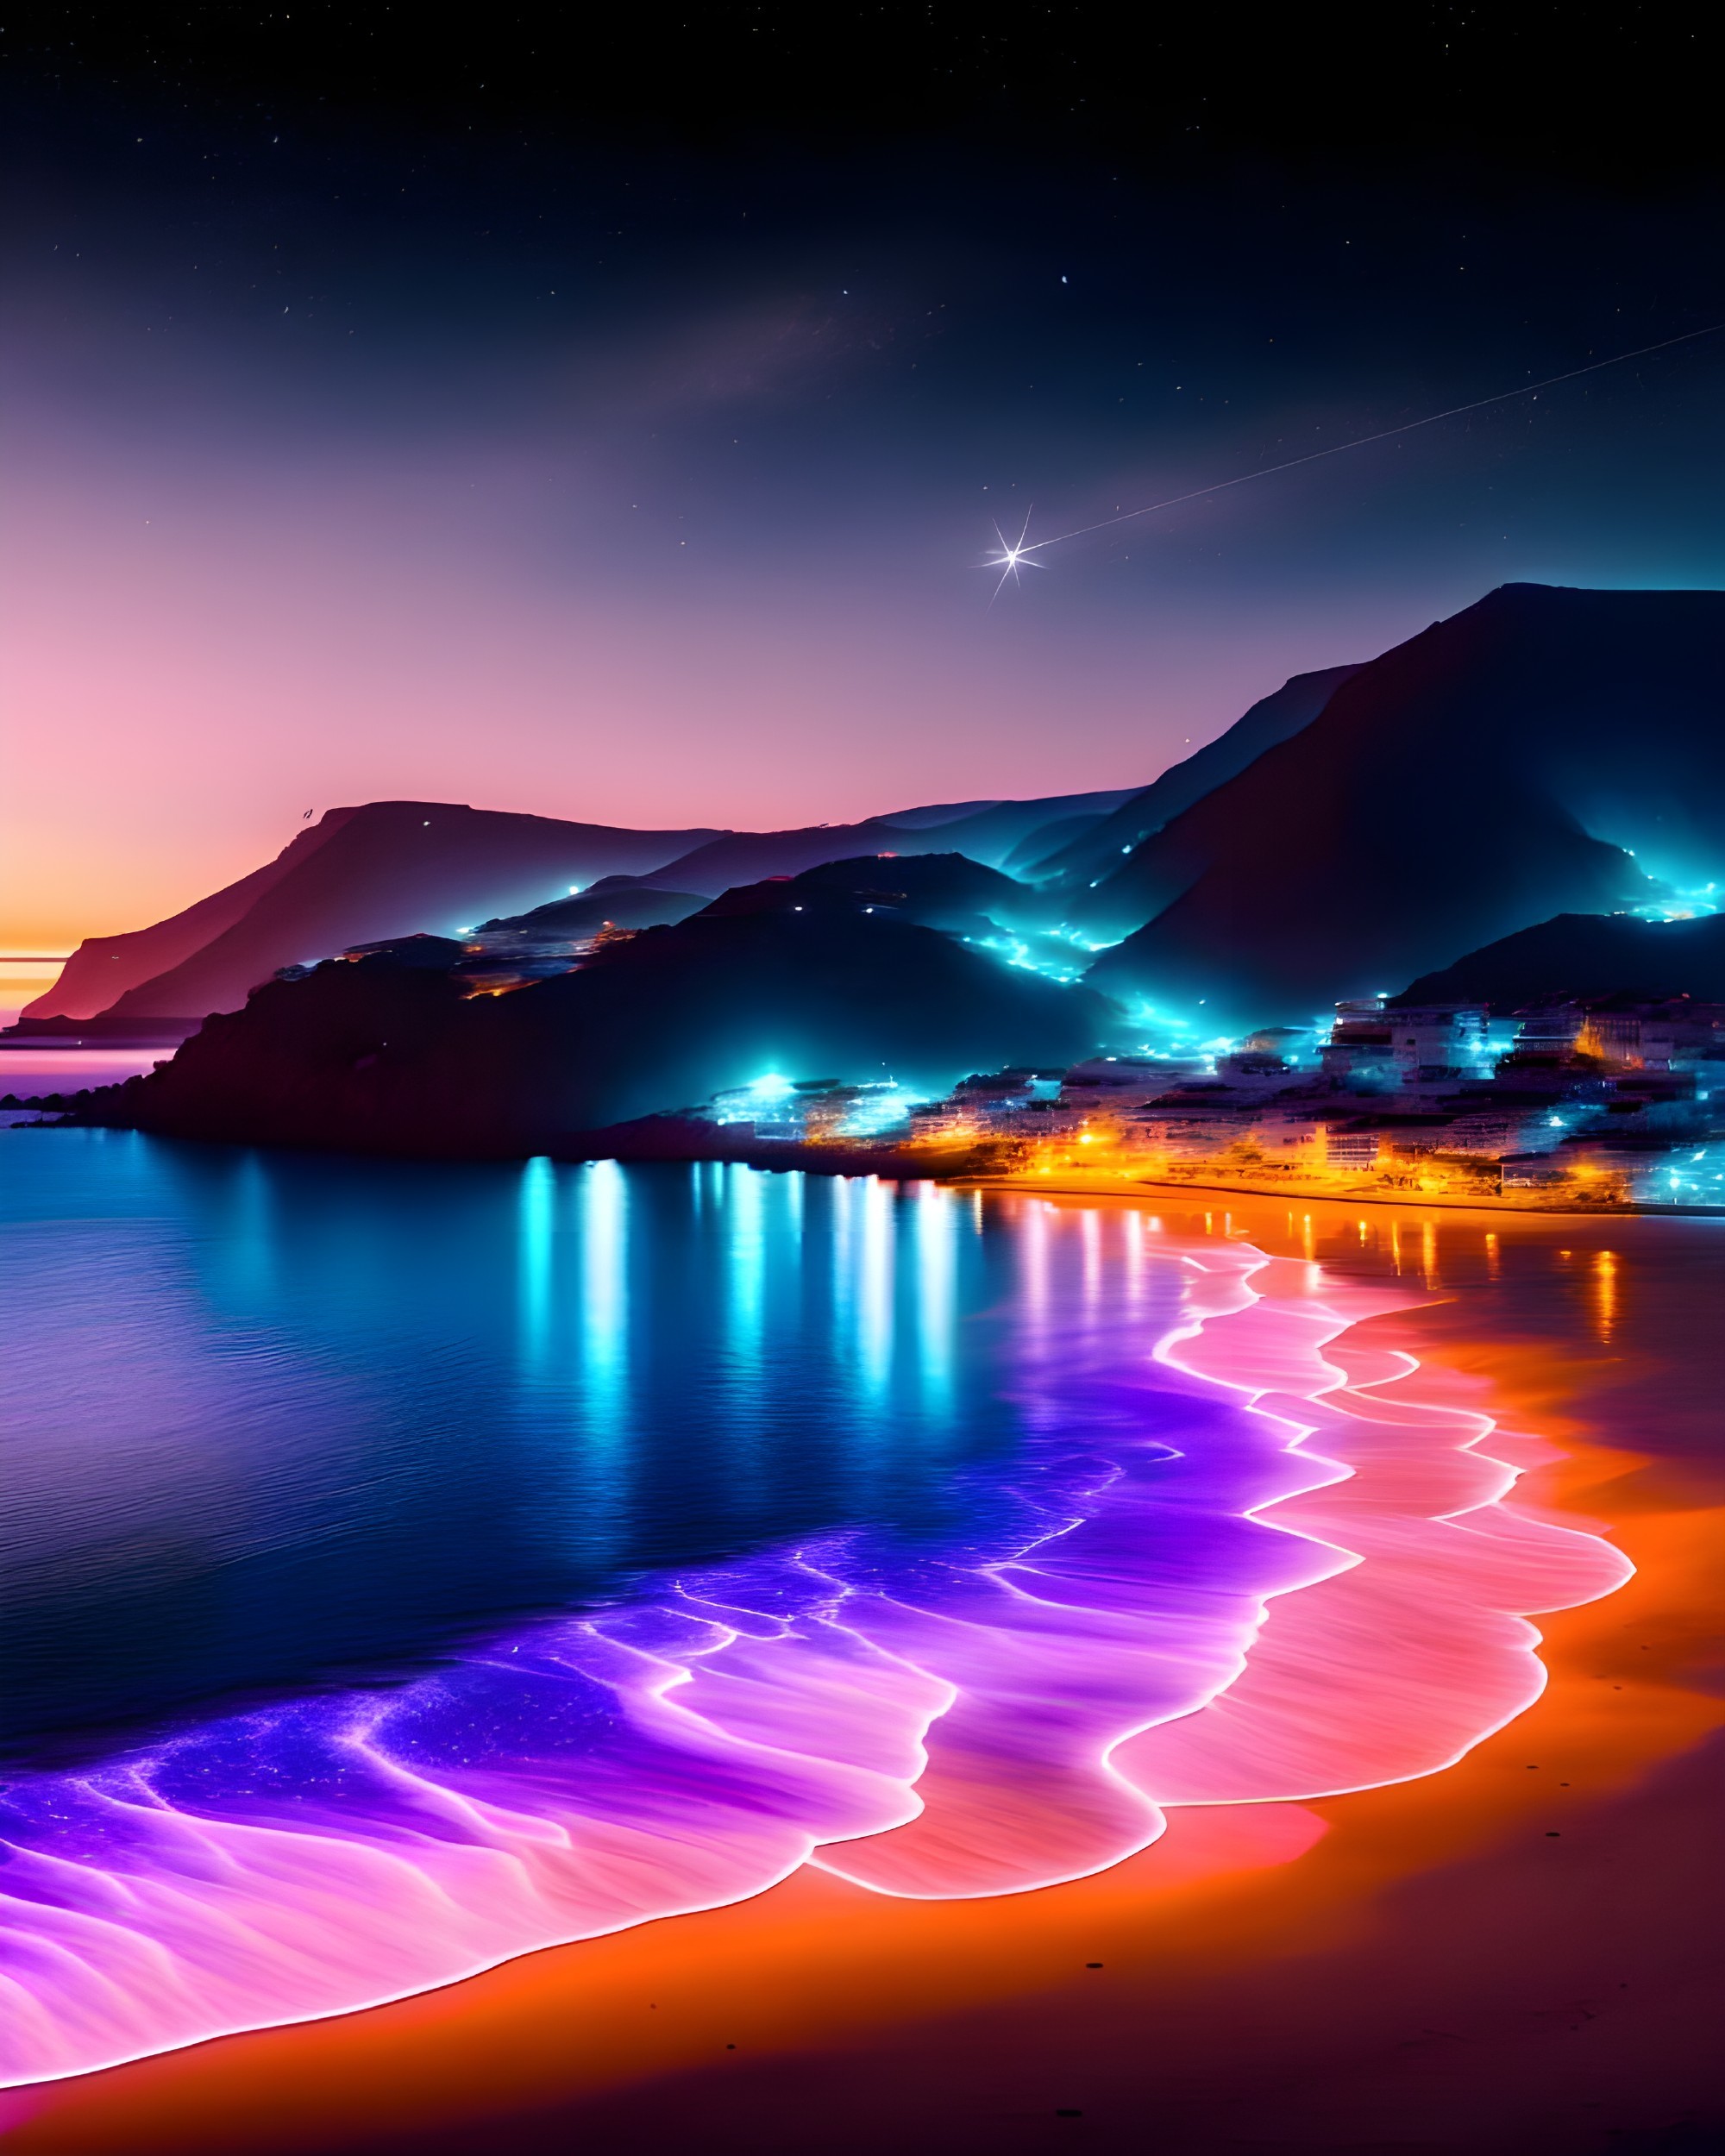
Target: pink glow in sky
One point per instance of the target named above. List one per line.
(659, 497)
(196, 655)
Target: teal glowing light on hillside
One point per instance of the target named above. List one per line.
(1028, 958)
(1688, 903)
(1172, 1034)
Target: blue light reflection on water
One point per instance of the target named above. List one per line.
(275, 1418)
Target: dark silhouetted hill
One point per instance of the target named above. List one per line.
(1096, 849)
(948, 892)
(986, 835)
(934, 812)
(620, 900)
(365, 874)
(741, 857)
(1581, 955)
(1449, 794)
(376, 1056)
(1026, 858)
(387, 869)
(1003, 831)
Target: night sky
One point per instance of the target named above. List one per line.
(611, 424)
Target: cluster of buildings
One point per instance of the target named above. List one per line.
(494, 961)
(776, 1110)
(1592, 1101)
(489, 962)
(1573, 1100)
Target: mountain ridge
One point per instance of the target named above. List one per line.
(1575, 956)
(389, 868)
(87, 986)
(312, 901)
(1274, 718)
(1429, 806)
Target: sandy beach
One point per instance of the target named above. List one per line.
(1522, 1953)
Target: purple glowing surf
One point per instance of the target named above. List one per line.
(1241, 1561)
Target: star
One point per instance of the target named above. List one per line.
(1013, 556)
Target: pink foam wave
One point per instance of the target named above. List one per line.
(1399, 1640)
(1397, 1665)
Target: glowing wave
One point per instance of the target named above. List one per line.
(1244, 1567)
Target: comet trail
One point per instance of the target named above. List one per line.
(1014, 556)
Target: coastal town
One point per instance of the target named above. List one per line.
(1591, 1104)
(1595, 1104)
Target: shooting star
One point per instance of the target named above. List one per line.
(1013, 557)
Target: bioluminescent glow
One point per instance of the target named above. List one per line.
(1016, 951)
(1238, 1559)
(1688, 902)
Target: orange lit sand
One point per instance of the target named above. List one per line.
(1416, 1966)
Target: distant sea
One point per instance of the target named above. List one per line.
(27, 1071)
(34, 1071)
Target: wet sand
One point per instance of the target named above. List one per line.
(1526, 1952)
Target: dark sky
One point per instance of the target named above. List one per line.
(608, 415)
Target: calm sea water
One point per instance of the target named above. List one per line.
(273, 1421)
(555, 1548)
